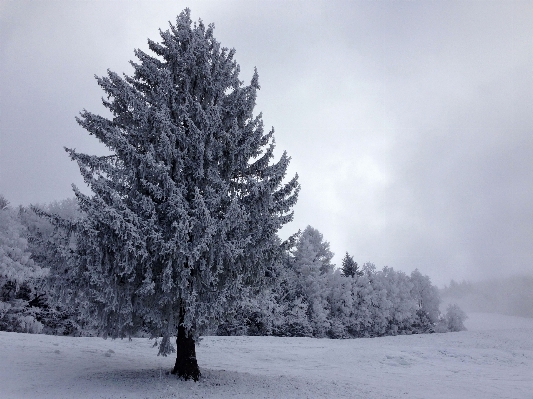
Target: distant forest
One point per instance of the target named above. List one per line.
(510, 296)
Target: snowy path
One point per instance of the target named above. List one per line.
(494, 359)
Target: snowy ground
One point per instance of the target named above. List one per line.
(494, 359)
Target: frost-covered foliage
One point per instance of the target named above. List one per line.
(427, 298)
(308, 298)
(16, 264)
(18, 274)
(455, 318)
(185, 210)
(43, 235)
(311, 262)
(58, 315)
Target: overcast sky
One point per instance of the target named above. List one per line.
(409, 123)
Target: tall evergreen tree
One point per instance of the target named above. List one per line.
(185, 211)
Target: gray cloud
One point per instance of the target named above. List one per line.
(408, 122)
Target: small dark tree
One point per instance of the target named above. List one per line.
(185, 211)
(4, 203)
(350, 267)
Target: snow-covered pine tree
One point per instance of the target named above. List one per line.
(185, 210)
(349, 267)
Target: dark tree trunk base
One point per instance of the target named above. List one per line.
(186, 366)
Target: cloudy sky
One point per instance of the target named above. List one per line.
(410, 123)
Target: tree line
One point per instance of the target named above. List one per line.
(309, 297)
(302, 295)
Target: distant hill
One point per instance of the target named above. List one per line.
(510, 296)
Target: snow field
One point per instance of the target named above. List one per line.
(494, 359)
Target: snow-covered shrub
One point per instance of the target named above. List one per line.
(253, 316)
(441, 326)
(337, 329)
(58, 320)
(455, 318)
(29, 324)
(295, 320)
(423, 324)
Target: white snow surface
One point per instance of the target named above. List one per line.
(493, 359)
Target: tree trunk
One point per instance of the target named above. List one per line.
(186, 366)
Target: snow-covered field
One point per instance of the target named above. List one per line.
(493, 359)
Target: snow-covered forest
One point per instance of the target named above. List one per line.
(304, 295)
